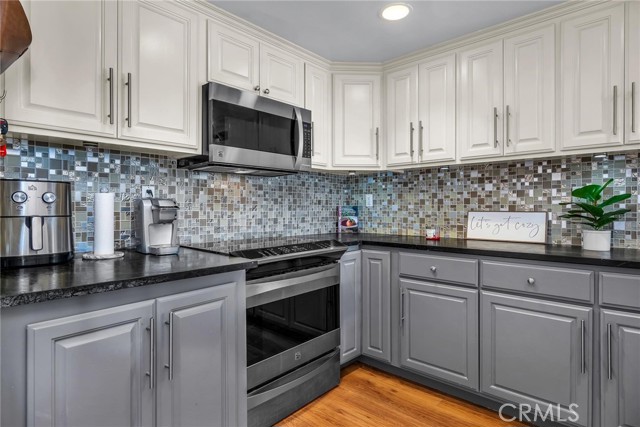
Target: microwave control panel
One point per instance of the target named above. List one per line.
(307, 148)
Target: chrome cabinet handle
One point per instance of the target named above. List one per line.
(609, 356)
(433, 268)
(128, 84)
(531, 281)
(152, 352)
(495, 127)
(582, 347)
(266, 91)
(633, 107)
(411, 129)
(507, 116)
(170, 365)
(257, 87)
(110, 80)
(420, 136)
(377, 143)
(402, 317)
(615, 110)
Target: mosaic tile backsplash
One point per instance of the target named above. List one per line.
(213, 207)
(218, 207)
(410, 202)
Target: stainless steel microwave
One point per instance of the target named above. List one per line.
(246, 133)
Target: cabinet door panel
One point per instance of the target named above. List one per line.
(159, 49)
(402, 110)
(281, 75)
(91, 369)
(205, 358)
(592, 55)
(620, 367)
(533, 352)
(233, 57)
(529, 79)
(318, 100)
(480, 101)
(632, 92)
(356, 120)
(437, 109)
(376, 304)
(61, 81)
(350, 306)
(440, 331)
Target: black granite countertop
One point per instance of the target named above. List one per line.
(623, 258)
(79, 277)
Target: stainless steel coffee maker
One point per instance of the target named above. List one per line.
(157, 226)
(35, 223)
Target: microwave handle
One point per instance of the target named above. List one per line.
(300, 128)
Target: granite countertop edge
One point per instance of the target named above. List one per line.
(108, 286)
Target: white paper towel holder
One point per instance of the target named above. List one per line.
(90, 256)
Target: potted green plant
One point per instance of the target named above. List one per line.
(591, 213)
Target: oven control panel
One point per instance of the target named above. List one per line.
(285, 249)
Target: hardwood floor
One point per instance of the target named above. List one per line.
(369, 397)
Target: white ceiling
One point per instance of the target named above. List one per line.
(353, 31)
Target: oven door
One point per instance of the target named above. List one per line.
(292, 319)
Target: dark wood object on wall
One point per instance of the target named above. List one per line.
(15, 33)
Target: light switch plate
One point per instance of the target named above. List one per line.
(369, 200)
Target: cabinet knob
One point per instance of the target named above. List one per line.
(531, 280)
(256, 87)
(266, 91)
(433, 268)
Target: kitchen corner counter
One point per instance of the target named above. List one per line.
(620, 258)
(79, 277)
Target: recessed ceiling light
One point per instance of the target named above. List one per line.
(395, 11)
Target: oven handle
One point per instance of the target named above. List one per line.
(288, 287)
(300, 127)
(269, 392)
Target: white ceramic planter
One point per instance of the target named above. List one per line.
(593, 240)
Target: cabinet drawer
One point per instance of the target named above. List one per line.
(440, 268)
(620, 289)
(539, 280)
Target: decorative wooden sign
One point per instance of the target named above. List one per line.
(527, 227)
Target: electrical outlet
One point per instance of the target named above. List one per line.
(369, 200)
(148, 191)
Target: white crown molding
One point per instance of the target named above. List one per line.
(220, 15)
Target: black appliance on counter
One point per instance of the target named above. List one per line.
(293, 322)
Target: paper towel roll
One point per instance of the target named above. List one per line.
(103, 220)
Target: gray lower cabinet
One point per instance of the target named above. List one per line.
(178, 360)
(92, 369)
(620, 368)
(350, 306)
(439, 331)
(198, 358)
(376, 304)
(538, 353)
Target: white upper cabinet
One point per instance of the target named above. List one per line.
(402, 116)
(159, 80)
(62, 81)
(529, 91)
(281, 75)
(318, 100)
(632, 105)
(480, 92)
(437, 109)
(233, 57)
(592, 79)
(239, 60)
(356, 112)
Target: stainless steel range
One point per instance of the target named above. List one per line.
(293, 316)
